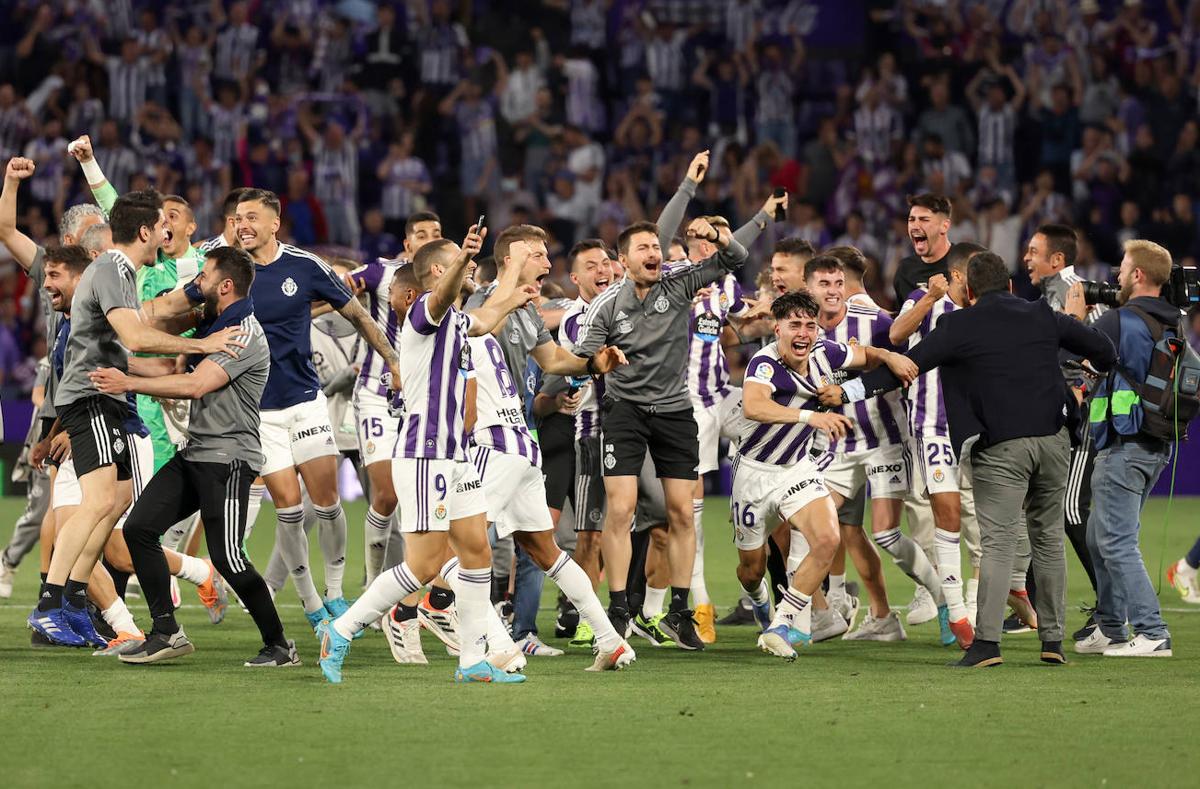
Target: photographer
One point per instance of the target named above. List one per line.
(1129, 458)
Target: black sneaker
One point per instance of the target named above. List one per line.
(620, 620)
(1052, 653)
(681, 628)
(102, 628)
(1085, 631)
(982, 654)
(1014, 625)
(567, 619)
(275, 657)
(742, 614)
(158, 647)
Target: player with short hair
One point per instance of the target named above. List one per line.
(870, 455)
(708, 371)
(107, 326)
(647, 405)
(431, 466)
(776, 475)
(213, 471)
(297, 439)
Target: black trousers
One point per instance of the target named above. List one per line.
(220, 491)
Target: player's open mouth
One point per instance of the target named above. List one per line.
(801, 346)
(919, 239)
(653, 266)
(245, 237)
(601, 284)
(168, 236)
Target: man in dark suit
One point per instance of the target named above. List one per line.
(1006, 406)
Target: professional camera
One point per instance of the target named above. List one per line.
(1183, 288)
(1106, 293)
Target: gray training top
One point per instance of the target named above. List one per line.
(223, 425)
(653, 332)
(37, 273)
(522, 331)
(109, 283)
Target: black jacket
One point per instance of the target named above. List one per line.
(999, 364)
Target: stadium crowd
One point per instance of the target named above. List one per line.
(819, 191)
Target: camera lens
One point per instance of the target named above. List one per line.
(1104, 293)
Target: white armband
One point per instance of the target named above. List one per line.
(92, 172)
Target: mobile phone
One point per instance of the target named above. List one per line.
(479, 223)
(780, 214)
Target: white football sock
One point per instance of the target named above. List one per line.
(473, 599)
(576, 585)
(796, 553)
(1016, 582)
(292, 543)
(699, 588)
(384, 592)
(376, 528)
(837, 584)
(176, 537)
(946, 546)
(119, 619)
(253, 505)
(499, 637)
(192, 570)
(652, 603)
(331, 535)
(794, 609)
(912, 560)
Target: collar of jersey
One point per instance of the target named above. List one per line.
(233, 314)
(120, 257)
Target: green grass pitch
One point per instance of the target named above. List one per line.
(845, 713)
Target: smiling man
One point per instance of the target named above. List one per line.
(928, 226)
(647, 405)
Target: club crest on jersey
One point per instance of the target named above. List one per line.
(118, 446)
(514, 337)
(764, 371)
(661, 304)
(289, 287)
(439, 512)
(610, 461)
(723, 300)
(939, 475)
(708, 327)
(370, 447)
(624, 327)
(594, 516)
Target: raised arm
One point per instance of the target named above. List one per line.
(446, 289)
(102, 190)
(370, 330)
(748, 233)
(22, 247)
(676, 208)
(729, 257)
(507, 296)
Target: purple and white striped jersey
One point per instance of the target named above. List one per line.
(875, 419)
(708, 369)
(500, 414)
(434, 369)
(786, 444)
(376, 277)
(587, 414)
(923, 398)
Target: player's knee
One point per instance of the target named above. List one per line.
(384, 502)
(752, 565)
(823, 544)
(658, 536)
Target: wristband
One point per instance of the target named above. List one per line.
(803, 415)
(92, 172)
(591, 366)
(193, 292)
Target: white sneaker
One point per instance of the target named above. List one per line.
(1095, 644)
(1179, 575)
(442, 623)
(532, 645)
(922, 609)
(827, 624)
(615, 660)
(845, 605)
(887, 628)
(1141, 646)
(404, 639)
(6, 579)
